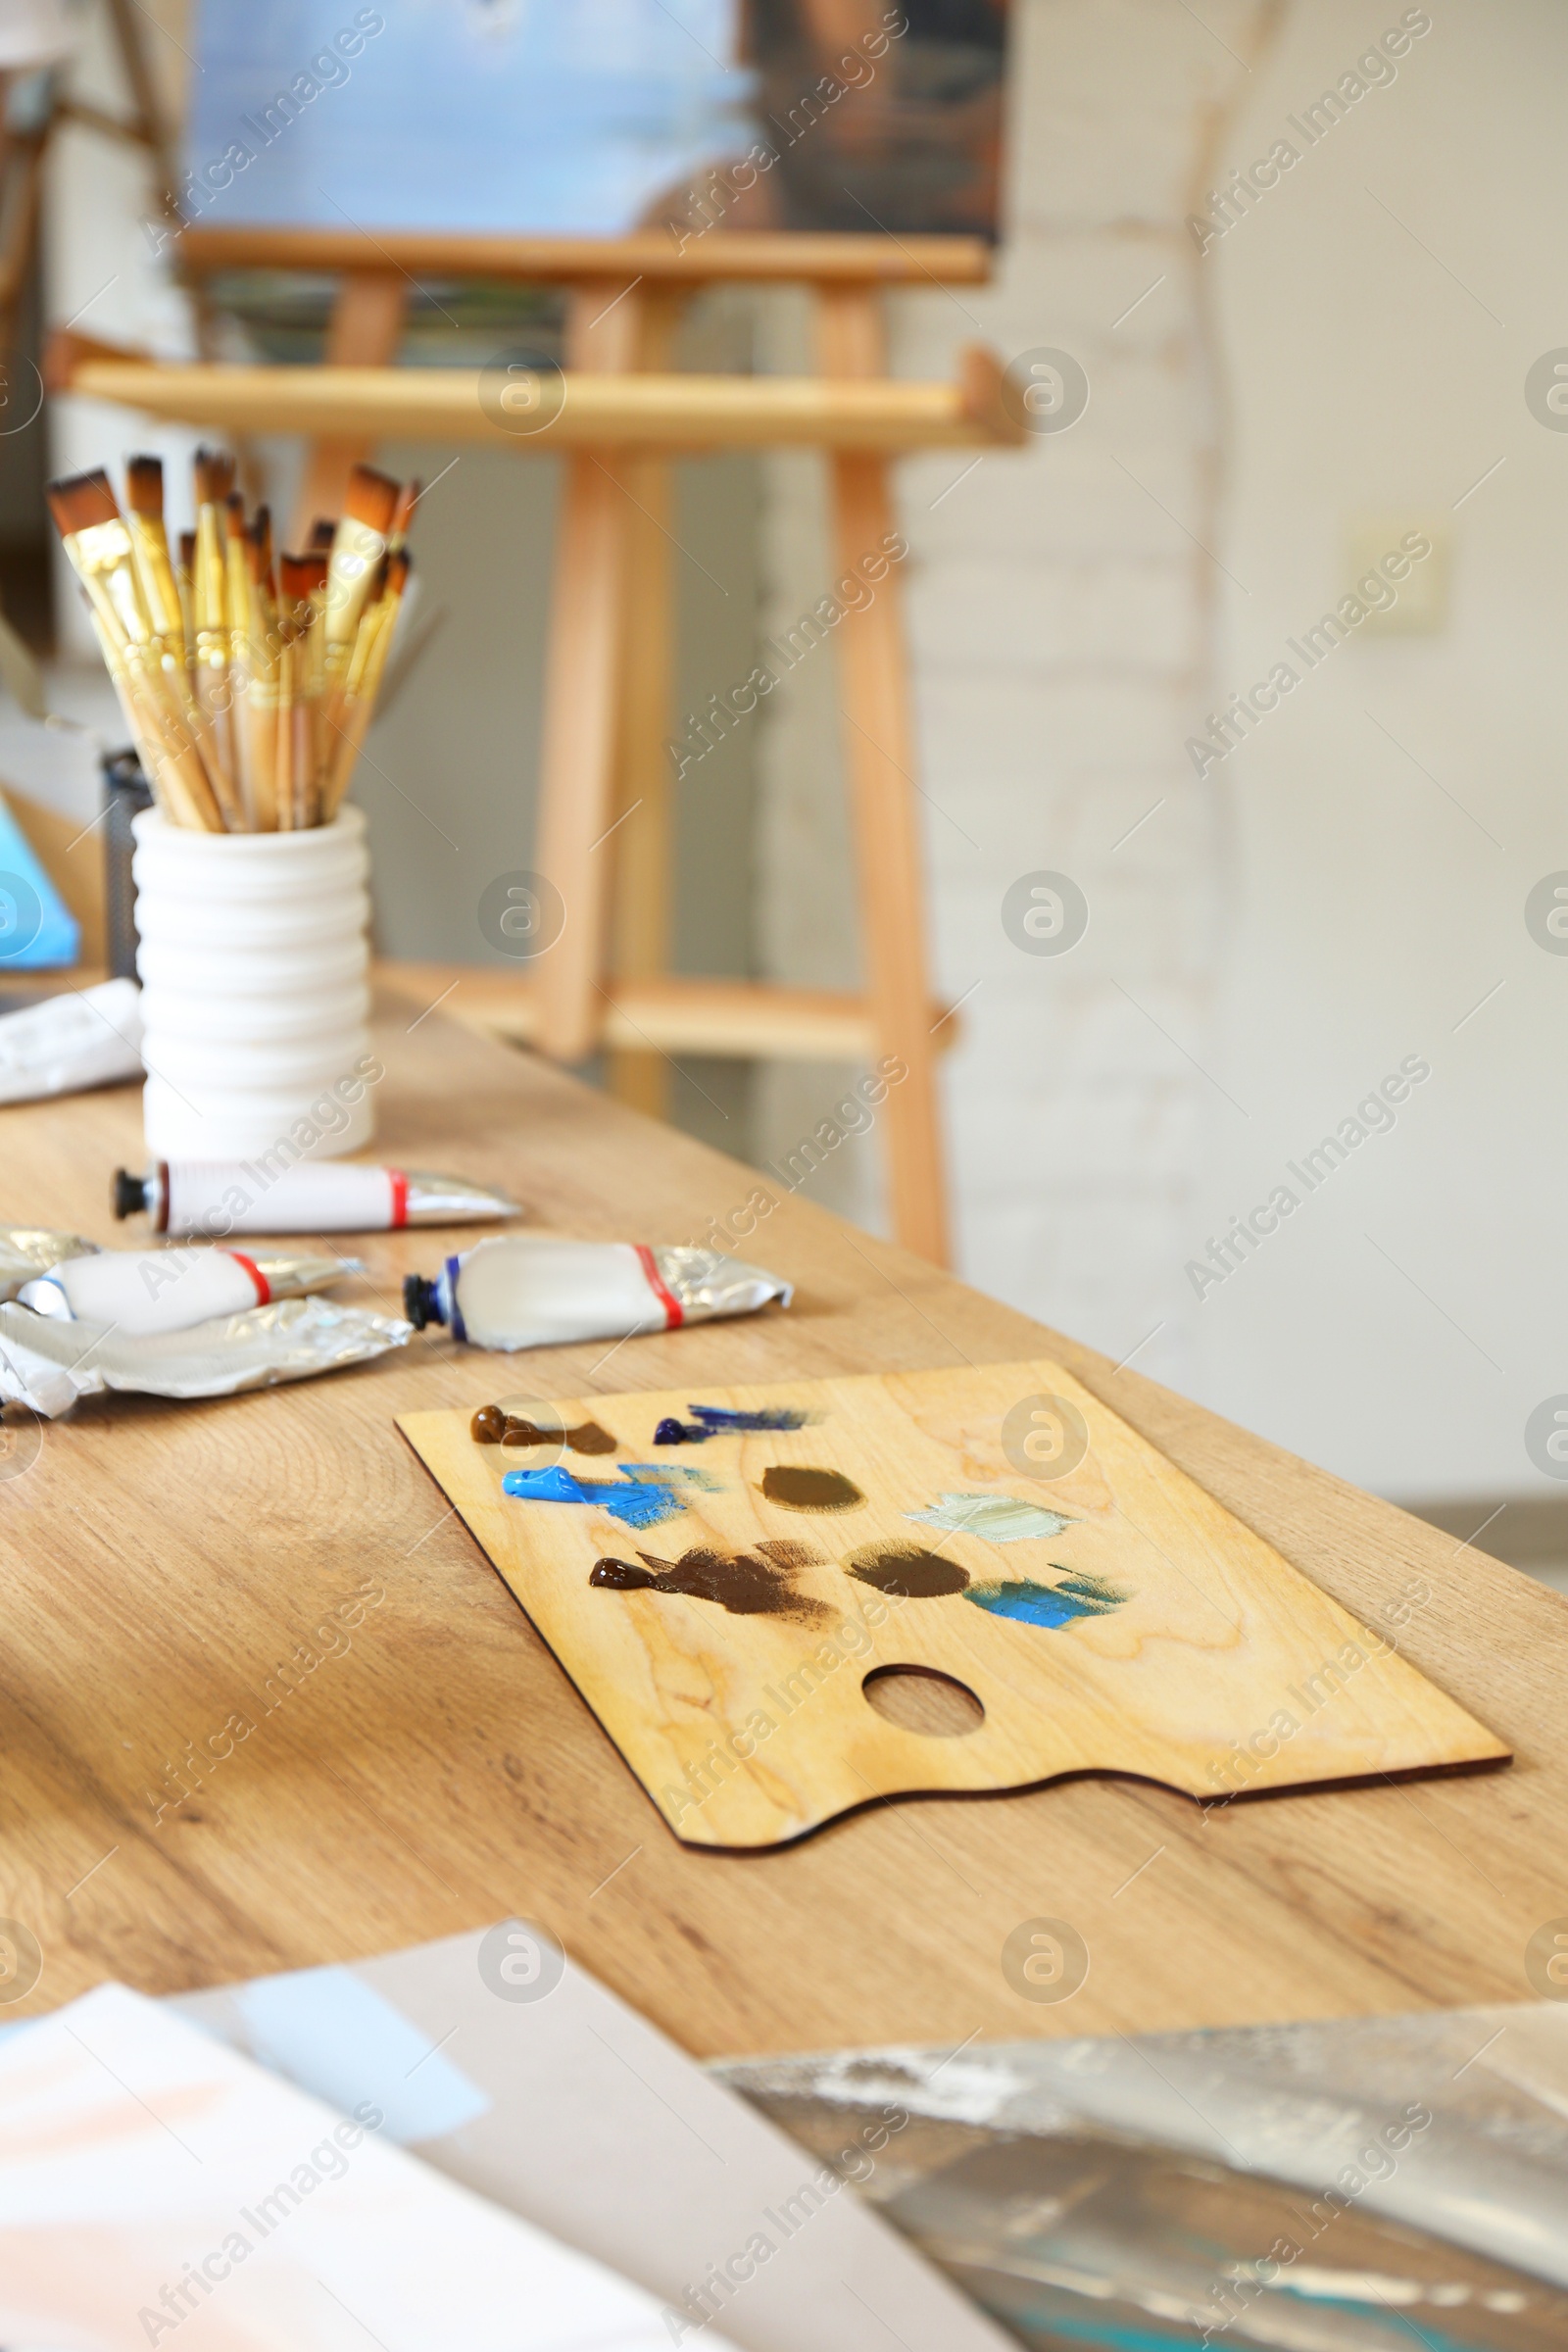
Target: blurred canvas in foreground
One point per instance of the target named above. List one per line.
(522, 117)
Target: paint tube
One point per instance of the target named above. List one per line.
(87, 1037)
(532, 1291)
(47, 1365)
(143, 1291)
(217, 1197)
(29, 1251)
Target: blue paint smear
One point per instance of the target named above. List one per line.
(672, 1474)
(334, 2034)
(718, 1421)
(773, 1416)
(1049, 1605)
(625, 1499)
(1091, 2330)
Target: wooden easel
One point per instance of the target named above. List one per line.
(604, 768)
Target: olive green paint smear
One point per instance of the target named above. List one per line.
(996, 1518)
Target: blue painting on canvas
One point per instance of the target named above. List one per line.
(505, 117)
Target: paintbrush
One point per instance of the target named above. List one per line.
(305, 594)
(358, 545)
(237, 606)
(409, 496)
(323, 530)
(364, 683)
(101, 553)
(285, 789)
(155, 574)
(263, 655)
(214, 480)
(184, 575)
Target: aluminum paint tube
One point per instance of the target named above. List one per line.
(531, 1290)
(29, 1251)
(217, 1197)
(139, 1292)
(87, 1037)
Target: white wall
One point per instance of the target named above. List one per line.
(1316, 907)
(1371, 913)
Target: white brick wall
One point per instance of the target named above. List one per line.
(1062, 635)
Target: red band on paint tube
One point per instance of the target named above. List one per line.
(263, 1289)
(400, 1197)
(674, 1313)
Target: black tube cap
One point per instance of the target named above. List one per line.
(128, 1195)
(421, 1302)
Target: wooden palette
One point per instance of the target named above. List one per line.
(1223, 1670)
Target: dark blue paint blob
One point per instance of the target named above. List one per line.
(718, 1421)
(1049, 1605)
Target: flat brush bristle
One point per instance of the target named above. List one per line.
(302, 576)
(82, 500)
(214, 477)
(403, 513)
(323, 530)
(373, 499)
(144, 487)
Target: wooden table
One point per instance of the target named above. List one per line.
(160, 1562)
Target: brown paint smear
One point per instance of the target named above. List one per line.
(746, 1584)
(799, 1488)
(907, 1570)
(491, 1426)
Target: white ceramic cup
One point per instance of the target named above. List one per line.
(254, 961)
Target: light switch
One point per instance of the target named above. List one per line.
(1407, 593)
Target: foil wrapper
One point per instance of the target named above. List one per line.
(29, 1251)
(47, 1364)
(1364, 2184)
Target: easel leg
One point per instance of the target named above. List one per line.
(642, 846)
(606, 702)
(643, 842)
(880, 761)
(365, 331)
(582, 737)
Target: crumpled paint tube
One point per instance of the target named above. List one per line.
(48, 1364)
(29, 1251)
(534, 1290)
(86, 1037)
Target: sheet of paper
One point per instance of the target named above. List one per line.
(548, 2093)
(155, 2185)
